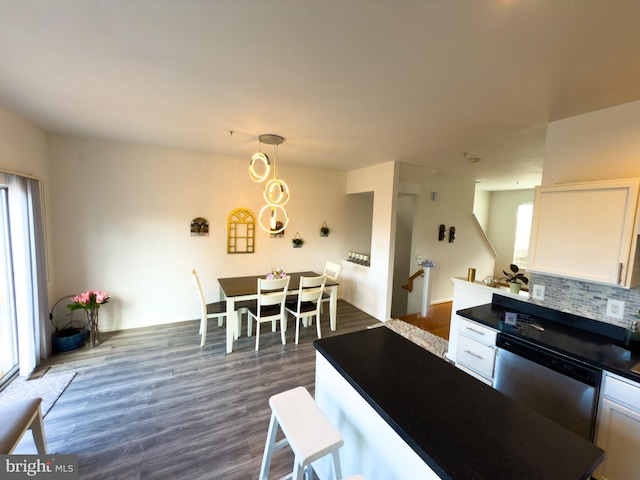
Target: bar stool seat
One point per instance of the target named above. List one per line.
(18, 417)
(306, 429)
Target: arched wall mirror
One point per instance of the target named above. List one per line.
(241, 231)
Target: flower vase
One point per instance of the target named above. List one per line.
(93, 335)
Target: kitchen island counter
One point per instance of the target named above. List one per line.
(459, 427)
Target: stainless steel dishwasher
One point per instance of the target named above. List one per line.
(558, 387)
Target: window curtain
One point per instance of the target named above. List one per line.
(29, 270)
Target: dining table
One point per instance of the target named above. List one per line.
(240, 289)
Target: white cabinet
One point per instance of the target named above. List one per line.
(470, 294)
(476, 350)
(618, 430)
(586, 231)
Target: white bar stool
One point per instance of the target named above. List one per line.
(307, 431)
(18, 417)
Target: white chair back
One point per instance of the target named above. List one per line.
(272, 292)
(332, 270)
(203, 303)
(311, 289)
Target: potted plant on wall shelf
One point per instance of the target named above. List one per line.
(297, 241)
(514, 278)
(324, 230)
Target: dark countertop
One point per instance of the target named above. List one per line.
(596, 343)
(462, 428)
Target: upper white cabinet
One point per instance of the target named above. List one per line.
(587, 231)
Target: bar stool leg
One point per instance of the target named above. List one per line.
(269, 446)
(336, 464)
(37, 430)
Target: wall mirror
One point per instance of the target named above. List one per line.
(241, 231)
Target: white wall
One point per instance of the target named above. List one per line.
(375, 298)
(121, 216)
(453, 208)
(23, 147)
(601, 145)
(360, 211)
(481, 208)
(501, 229)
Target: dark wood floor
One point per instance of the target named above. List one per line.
(149, 403)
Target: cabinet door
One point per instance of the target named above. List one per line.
(619, 437)
(465, 295)
(585, 231)
(476, 356)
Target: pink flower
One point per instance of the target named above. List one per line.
(88, 300)
(101, 297)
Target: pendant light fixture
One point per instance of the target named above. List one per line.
(273, 217)
(259, 162)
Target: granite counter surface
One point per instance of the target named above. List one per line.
(596, 343)
(460, 427)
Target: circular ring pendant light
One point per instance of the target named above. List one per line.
(276, 191)
(259, 158)
(273, 218)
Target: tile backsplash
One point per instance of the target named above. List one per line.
(584, 298)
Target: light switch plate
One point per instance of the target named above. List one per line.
(615, 308)
(538, 292)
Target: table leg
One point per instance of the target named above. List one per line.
(231, 323)
(333, 307)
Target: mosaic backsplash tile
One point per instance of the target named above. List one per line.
(585, 299)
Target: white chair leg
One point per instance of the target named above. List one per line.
(283, 328)
(257, 334)
(238, 317)
(249, 325)
(274, 326)
(297, 471)
(297, 329)
(220, 322)
(203, 331)
(318, 325)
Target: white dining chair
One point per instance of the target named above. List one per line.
(307, 304)
(213, 310)
(269, 306)
(332, 271)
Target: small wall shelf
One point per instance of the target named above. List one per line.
(199, 227)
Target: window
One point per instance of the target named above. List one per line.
(8, 326)
(523, 231)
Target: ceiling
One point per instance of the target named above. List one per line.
(347, 83)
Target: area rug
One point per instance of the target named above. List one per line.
(436, 345)
(49, 387)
